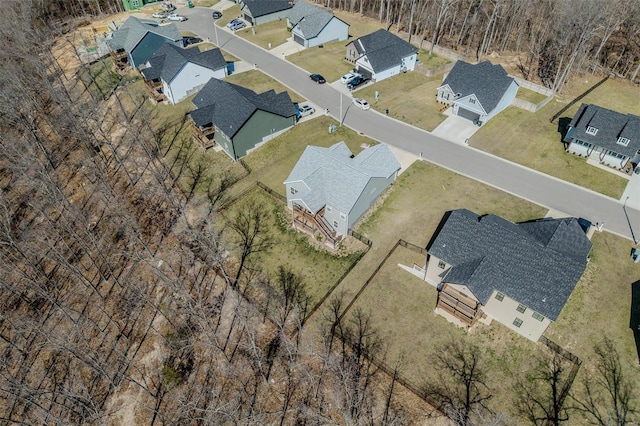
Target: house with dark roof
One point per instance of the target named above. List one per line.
(518, 274)
(312, 26)
(329, 189)
(238, 119)
(257, 12)
(178, 73)
(380, 55)
(477, 92)
(609, 137)
(136, 40)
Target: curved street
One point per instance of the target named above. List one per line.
(529, 184)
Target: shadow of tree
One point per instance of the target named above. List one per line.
(634, 320)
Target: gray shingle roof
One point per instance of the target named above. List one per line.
(536, 263)
(169, 59)
(383, 49)
(309, 19)
(229, 106)
(337, 178)
(486, 81)
(133, 30)
(611, 125)
(259, 8)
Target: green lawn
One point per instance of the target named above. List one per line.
(204, 3)
(319, 268)
(531, 140)
(267, 35)
(327, 60)
(228, 15)
(358, 25)
(530, 96)
(259, 82)
(431, 61)
(99, 78)
(410, 97)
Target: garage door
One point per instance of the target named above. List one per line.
(248, 18)
(364, 72)
(469, 115)
(298, 39)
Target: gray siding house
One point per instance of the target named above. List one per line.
(136, 40)
(257, 12)
(312, 26)
(238, 119)
(329, 189)
(521, 275)
(477, 92)
(610, 137)
(179, 73)
(381, 55)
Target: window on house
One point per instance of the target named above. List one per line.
(343, 216)
(623, 141)
(592, 130)
(517, 322)
(335, 223)
(293, 191)
(521, 308)
(538, 316)
(472, 101)
(500, 296)
(441, 264)
(329, 209)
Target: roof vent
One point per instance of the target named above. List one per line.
(352, 156)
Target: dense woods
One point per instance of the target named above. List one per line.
(119, 302)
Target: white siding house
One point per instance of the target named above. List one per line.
(381, 55)
(312, 26)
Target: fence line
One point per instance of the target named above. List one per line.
(412, 247)
(245, 165)
(360, 237)
(271, 192)
(430, 72)
(570, 104)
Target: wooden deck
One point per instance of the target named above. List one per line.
(203, 136)
(120, 59)
(312, 223)
(459, 305)
(155, 90)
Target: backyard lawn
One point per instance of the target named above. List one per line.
(431, 61)
(268, 35)
(358, 25)
(259, 82)
(319, 268)
(327, 60)
(530, 96)
(410, 97)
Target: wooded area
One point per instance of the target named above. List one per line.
(122, 302)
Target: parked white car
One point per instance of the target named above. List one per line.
(348, 77)
(176, 17)
(160, 15)
(306, 110)
(361, 103)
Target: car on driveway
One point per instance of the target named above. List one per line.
(237, 25)
(356, 81)
(233, 22)
(189, 40)
(160, 15)
(317, 78)
(361, 103)
(176, 17)
(169, 7)
(348, 77)
(216, 14)
(305, 110)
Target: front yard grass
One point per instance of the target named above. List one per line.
(529, 139)
(319, 268)
(327, 60)
(259, 82)
(268, 35)
(410, 97)
(205, 3)
(228, 15)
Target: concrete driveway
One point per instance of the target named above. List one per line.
(455, 129)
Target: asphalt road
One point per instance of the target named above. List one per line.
(529, 184)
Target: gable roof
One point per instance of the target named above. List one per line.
(259, 8)
(169, 59)
(229, 106)
(536, 263)
(611, 125)
(486, 81)
(337, 178)
(383, 49)
(133, 30)
(309, 19)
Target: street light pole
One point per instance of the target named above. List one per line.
(215, 29)
(340, 108)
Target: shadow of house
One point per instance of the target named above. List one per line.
(563, 127)
(634, 320)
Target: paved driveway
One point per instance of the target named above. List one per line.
(455, 129)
